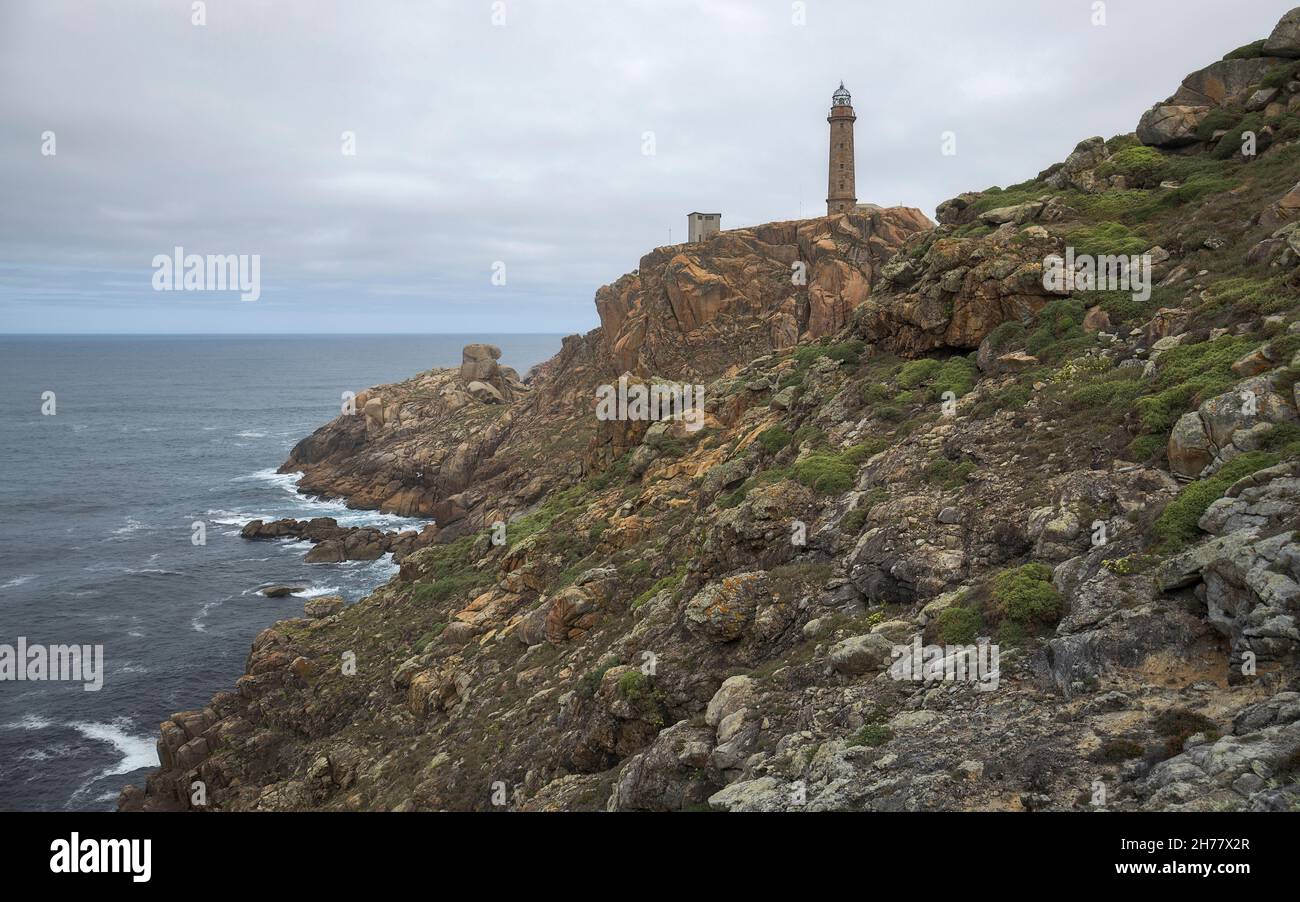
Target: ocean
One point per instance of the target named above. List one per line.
(97, 502)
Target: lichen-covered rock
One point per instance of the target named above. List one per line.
(722, 611)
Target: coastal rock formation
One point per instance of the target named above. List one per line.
(691, 309)
(1089, 499)
(336, 543)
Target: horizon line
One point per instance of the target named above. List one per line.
(262, 334)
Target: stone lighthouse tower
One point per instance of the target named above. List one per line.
(840, 193)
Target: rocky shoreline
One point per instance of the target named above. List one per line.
(334, 543)
(921, 445)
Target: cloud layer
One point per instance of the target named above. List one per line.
(520, 142)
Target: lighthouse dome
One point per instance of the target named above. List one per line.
(841, 97)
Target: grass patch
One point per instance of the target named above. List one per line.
(773, 440)
(1176, 527)
(825, 472)
(1025, 595)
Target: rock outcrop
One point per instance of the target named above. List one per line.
(1071, 513)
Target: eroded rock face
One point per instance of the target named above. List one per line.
(745, 292)
(1285, 39)
(1226, 83)
(1227, 425)
(1249, 575)
(955, 291)
(336, 543)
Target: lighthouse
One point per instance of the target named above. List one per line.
(841, 196)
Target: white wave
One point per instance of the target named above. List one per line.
(196, 622)
(230, 518)
(132, 525)
(314, 506)
(29, 722)
(18, 581)
(286, 481)
(138, 752)
(249, 434)
(317, 591)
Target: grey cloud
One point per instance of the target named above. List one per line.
(519, 143)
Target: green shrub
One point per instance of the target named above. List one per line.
(1177, 524)
(1219, 119)
(860, 453)
(1146, 447)
(589, 682)
(949, 474)
(1012, 634)
(1142, 167)
(1007, 336)
(918, 372)
(1188, 375)
(1247, 51)
(1025, 595)
(1196, 188)
(873, 393)
(1113, 751)
(1230, 144)
(632, 685)
(1107, 238)
(956, 375)
(873, 735)
(1284, 441)
(773, 440)
(825, 472)
(1114, 390)
(1129, 205)
(1059, 323)
(843, 352)
(809, 434)
(891, 413)
(958, 626)
(851, 523)
(671, 581)
(996, 197)
(1280, 75)
(846, 351)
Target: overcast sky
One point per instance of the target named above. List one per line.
(520, 142)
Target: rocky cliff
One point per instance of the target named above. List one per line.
(908, 440)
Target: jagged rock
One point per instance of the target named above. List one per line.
(667, 776)
(324, 606)
(1001, 279)
(1020, 213)
(1229, 773)
(1080, 167)
(485, 392)
(1171, 125)
(723, 610)
(1210, 435)
(479, 363)
(1285, 38)
(735, 693)
(861, 654)
(688, 306)
(1284, 210)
